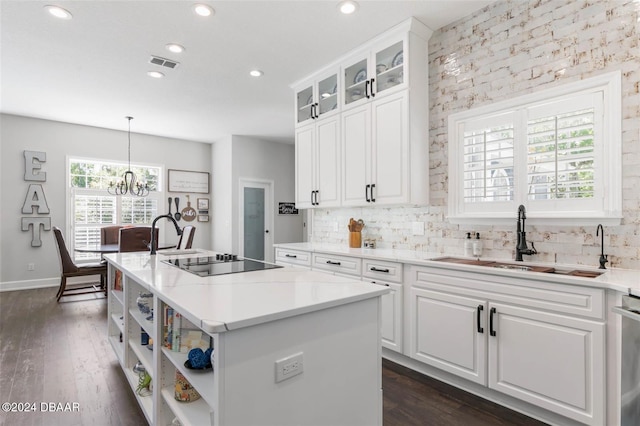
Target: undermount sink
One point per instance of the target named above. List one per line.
(516, 267)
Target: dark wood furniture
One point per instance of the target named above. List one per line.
(186, 238)
(135, 238)
(110, 234)
(70, 269)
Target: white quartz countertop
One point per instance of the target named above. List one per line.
(226, 302)
(622, 280)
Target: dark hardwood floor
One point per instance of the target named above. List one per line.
(57, 353)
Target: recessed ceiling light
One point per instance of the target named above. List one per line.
(155, 74)
(59, 12)
(203, 9)
(348, 6)
(175, 48)
(255, 73)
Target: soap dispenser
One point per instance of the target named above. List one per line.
(468, 245)
(477, 246)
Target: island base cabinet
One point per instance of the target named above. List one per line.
(552, 361)
(341, 379)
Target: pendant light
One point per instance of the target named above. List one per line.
(129, 183)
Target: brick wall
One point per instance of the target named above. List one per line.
(508, 49)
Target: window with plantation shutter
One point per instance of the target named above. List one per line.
(561, 151)
(92, 207)
(548, 151)
(488, 163)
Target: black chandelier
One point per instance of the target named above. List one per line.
(129, 183)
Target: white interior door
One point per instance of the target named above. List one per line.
(256, 220)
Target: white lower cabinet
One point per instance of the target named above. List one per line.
(450, 333)
(465, 326)
(553, 361)
(392, 315)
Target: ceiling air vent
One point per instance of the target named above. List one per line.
(163, 62)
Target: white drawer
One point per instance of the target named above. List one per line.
(293, 257)
(382, 270)
(333, 263)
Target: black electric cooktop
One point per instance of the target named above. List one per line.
(220, 264)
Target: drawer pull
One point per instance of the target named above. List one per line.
(330, 262)
(374, 269)
(291, 255)
(479, 311)
(491, 330)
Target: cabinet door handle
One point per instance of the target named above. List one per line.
(373, 268)
(291, 255)
(373, 200)
(330, 262)
(315, 111)
(366, 89)
(478, 313)
(317, 202)
(311, 114)
(312, 202)
(372, 92)
(491, 330)
(366, 193)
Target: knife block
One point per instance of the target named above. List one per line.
(355, 239)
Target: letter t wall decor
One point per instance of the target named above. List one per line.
(35, 201)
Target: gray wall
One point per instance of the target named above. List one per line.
(251, 158)
(60, 140)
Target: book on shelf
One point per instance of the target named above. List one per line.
(168, 327)
(117, 280)
(177, 326)
(179, 334)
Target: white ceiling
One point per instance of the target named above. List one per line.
(92, 69)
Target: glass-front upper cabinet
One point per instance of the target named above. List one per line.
(375, 73)
(389, 67)
(304, 104)
(318, 98)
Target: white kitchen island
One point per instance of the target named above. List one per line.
(327, 327)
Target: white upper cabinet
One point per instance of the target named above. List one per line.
(375, 73)
(317, 98)
(380, 99)
(317, 164)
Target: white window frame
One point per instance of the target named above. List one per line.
(158, 195)
(605, 207)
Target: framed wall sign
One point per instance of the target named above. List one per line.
(186, 181)
(287, 208)
(203, 218)
(203, 204)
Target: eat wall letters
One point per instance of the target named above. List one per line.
(35, 200)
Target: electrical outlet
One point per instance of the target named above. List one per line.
(289, 367)
(31, 267)
(417, 228)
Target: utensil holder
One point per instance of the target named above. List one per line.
(355, 239)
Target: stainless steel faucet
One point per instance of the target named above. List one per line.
(603, 257)
(521, 246)
(154, 243)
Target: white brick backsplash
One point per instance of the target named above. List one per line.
(507, 49)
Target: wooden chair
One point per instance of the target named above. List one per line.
(70, 269)
(135, 239)
(110, 234)
(186, 239)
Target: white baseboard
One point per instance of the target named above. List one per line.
(29, 284)
(42, 283)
